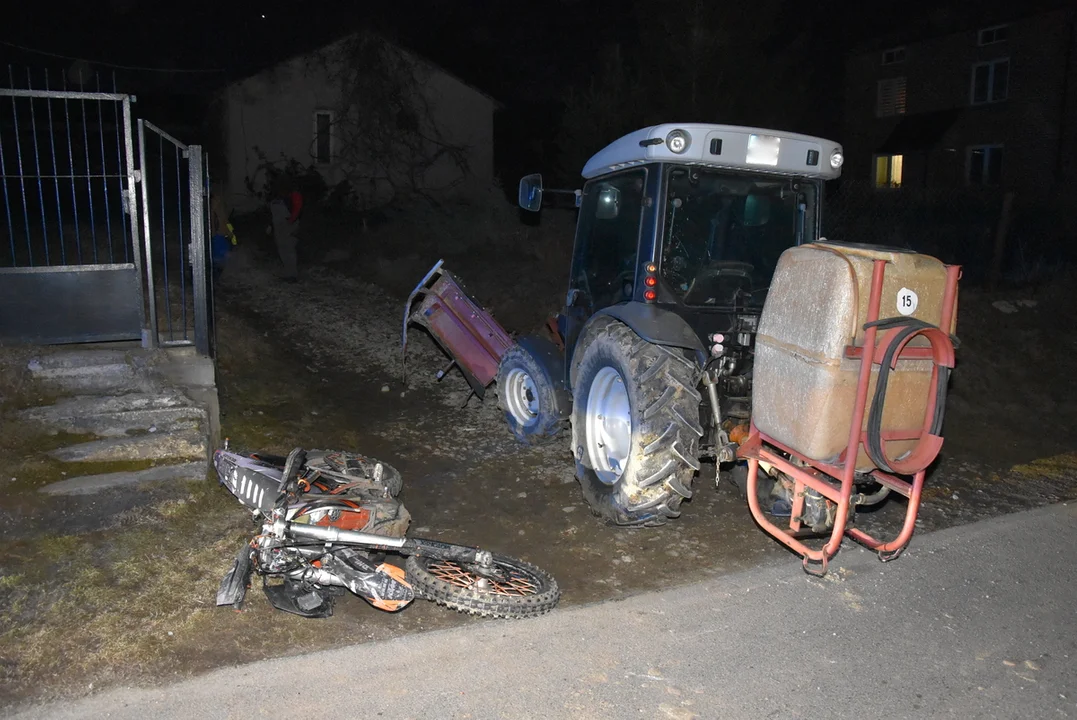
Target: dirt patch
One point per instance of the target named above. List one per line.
(1013, 397)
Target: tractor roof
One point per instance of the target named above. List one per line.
(724, 146)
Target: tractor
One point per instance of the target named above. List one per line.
(649, 365)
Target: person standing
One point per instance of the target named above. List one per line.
(286, 210)
(224, 237)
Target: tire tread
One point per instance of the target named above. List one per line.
(667, 440)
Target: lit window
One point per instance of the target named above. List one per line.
(322, 145)
(888, 171)
(893, 55)
(992, 35)
(891, 97)
(985, 165)
(990, 81)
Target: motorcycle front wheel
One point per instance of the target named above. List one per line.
(508, 588)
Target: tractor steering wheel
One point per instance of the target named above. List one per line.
(290, 476)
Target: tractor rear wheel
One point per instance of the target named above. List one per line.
(635, 426)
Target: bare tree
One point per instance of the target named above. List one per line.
(611, 103)
(695, 61)
(387, 140)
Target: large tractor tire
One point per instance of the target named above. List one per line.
(530, 391)
(635, 426)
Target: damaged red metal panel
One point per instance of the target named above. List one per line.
(467, 332)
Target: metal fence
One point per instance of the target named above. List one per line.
(66, 162)
(958, 225)
(173, 189)
(95, 244)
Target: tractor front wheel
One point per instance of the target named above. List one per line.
(529, 391)
(635, 427)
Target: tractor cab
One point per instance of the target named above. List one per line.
(688, 220)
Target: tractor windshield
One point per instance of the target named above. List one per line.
(724, 232)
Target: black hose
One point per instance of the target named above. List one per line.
(874, 499)
(910, 326)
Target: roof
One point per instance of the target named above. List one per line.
(924, 30)
(260, 68)
(729, 146)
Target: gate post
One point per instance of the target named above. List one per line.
(198, 254)
(130, 207)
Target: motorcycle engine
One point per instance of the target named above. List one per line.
(273, 559)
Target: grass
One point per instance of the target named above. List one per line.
(135, 601)
(91, 605)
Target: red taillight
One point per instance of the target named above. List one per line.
(650, 281)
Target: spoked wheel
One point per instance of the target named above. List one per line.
(507, 588)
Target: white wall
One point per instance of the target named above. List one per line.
(274, 111)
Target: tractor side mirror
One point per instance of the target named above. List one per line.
(531, 192)
(609, 203)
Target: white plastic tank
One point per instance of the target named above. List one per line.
(804, 387)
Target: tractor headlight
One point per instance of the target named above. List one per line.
(678, 141)
(836, 159)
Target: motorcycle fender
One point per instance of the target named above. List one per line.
(234, 586)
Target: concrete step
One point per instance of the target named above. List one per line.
(181, 444)
(88, 484)
(102, 404)
(108, 378)
(92, 371)
(73, 359)
(133, 422)
(115, 415)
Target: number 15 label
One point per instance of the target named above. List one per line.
(907, 301)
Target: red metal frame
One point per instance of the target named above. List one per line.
(466, 331)
(836, 482)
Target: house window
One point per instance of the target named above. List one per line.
(888, 171)
(985, 164)
(891, 97)
(893, 55)
(323, 137)
(992, 35)
(990, 81)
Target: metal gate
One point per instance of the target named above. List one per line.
(84, 257)
(69, 264)
(174, 223)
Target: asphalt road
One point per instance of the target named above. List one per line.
(977, 621)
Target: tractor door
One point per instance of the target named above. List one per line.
(604, 258)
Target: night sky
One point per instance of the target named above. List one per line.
(511, 50)
(524, 54)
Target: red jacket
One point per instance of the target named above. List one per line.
(295, 202)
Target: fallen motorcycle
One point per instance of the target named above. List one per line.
(328, 519)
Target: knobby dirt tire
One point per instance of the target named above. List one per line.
(664, 408)
(529, 591)
(390, 478)
(549, 424)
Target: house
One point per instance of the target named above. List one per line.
(988, 105)
(361, 110)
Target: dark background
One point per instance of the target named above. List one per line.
(766, 62)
